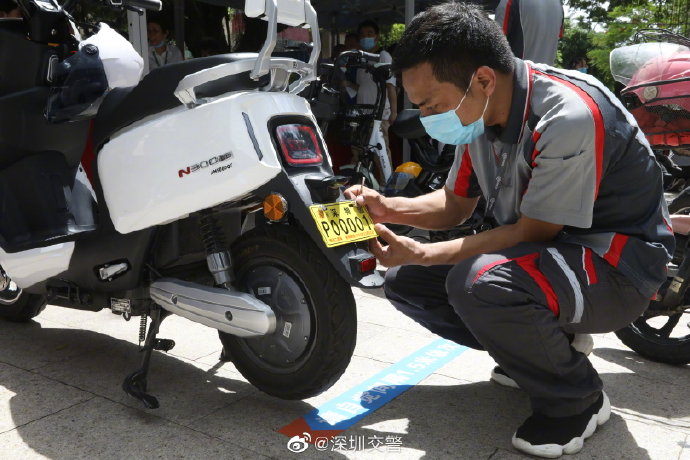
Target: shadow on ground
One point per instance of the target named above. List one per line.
(65, 401)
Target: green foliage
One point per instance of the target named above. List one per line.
(391, 35)
(603, 27)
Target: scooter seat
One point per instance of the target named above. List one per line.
(155, 92)
(407, 125)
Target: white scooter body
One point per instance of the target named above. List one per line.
(187, 159)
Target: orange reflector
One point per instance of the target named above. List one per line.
(275, 207)
(367, 265)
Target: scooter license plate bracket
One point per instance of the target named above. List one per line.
(342, 222)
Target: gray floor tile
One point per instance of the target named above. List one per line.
(104, 430)
(26, 396)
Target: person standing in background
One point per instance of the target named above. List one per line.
(161, 51)
(367, 89)
(532, 27)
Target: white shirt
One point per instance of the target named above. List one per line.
(366, 93)
(172, 54)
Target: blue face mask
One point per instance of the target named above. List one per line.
(446, 127)
(367, 42)
(582, 69)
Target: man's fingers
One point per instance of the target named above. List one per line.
(385, 233)
(376, 248)
(352, 191)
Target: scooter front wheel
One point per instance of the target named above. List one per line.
(316, 318)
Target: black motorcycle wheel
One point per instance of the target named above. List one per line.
(654, 341)
(26, 307)
(316, 317)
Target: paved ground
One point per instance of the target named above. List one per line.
(60, 397)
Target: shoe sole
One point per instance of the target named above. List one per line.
(503, 380)
(574, 445)
(582, 343)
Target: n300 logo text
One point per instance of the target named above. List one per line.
(204, 164)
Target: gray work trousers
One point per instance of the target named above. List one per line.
(522, 306)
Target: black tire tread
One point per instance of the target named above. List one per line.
(340, 302)
(27, 307)
(673, 351)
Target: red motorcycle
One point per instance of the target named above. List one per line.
(656, 74)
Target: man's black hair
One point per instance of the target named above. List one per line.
(368, 23)
(456, 39)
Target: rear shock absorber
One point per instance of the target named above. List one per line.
(217, 256)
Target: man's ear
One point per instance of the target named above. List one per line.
(486, 77)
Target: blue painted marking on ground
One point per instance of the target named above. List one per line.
(350, 407)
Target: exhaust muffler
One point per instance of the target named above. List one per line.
(227, 310)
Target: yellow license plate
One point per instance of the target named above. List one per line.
(343, 222)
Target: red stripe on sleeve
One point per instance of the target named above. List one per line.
(589, 266)
(668, 226)
(462, 182)
(506, 18)
(535, 153)
(613, 255)
(529, 264)
(598, 124)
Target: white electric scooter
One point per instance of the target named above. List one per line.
(205, 191)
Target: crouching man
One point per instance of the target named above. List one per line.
(583, 236)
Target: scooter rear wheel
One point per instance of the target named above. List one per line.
(316, 318)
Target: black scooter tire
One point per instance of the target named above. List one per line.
(669, 350)
(27, 307)
(328, 301)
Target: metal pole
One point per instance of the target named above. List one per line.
(136, 23)
(409, 14)
(179, 24)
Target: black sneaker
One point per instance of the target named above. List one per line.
(552, 437)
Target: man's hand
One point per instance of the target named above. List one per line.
(374, 201)
(400, 250)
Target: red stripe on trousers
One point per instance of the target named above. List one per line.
(487, 267)
(589, 266)
(529, 264)
(462, 182)
(598, 124)
(613, 255)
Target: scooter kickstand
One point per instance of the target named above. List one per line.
(135, 383)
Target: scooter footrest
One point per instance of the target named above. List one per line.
(163, 344)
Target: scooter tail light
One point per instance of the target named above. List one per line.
(367, 265)
(299, 144)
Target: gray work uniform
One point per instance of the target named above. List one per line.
(532, 27)
(574, 157)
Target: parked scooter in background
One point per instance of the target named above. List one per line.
(357, 126)
(656, 75)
